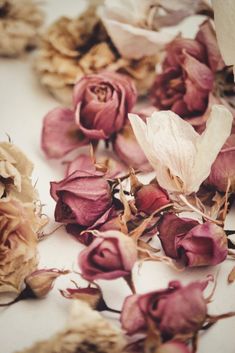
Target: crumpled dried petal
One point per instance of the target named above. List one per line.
(185, 161)
(18, 244)
(87, 331)
(15, 173)
(19, 24)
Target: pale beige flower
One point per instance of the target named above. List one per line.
(181, 158)
(18, 244)
(19, 24)
(86, 332)
(72, 48)
(15, 174)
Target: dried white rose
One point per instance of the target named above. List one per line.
(224, 15)
(86, 332)
(15, 174)
(181, 157)
(19, 24)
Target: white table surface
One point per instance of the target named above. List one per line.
(23, 104)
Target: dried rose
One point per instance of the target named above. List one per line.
(222, 172)
(128, 150)
(40, 282)
(188, 76)
(102, 103)
(83, 199)
(184, 162)
(149, 198)
(111, 255)
(86, 331)
(177, 310)
(18, 245)
(60, 134)
(109, 165)
(15, 174)
(173, 347)
(192, 243)
(19, 24)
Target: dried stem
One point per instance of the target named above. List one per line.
(128, 279)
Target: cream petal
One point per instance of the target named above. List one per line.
(209, 144)
(224, 14)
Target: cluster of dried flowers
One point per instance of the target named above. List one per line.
(21, 224)
(19, 25)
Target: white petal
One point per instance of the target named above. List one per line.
(224, 14)
(209, 144)
(174, 143)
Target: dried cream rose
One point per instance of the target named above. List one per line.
(224, 15)
(15, 174)
(86, 332)
(18, 244)
(19, 24)
(185, 161)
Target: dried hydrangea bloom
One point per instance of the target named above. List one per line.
(87, 331)
(18, 244)
(15, 174)
(74, 47)
(19, 24)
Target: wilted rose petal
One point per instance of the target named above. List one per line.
(111, 255)
(128, 150)
(222, 172)
(102, 102)
(173, 347)
(60, 133)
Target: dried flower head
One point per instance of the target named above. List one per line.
(19, 24)
(87, 331)
(74, 47)
(15, 174)
(18, 244)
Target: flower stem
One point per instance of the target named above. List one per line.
(128, 279)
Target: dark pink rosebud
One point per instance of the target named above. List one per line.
(176, 310)
(112, 254)
(110, 166)
(60, 134)
(128, 150)
(102, 102)
(192, 243)
(149, 198)
(83, 198)
(223, 169)
(173, 346)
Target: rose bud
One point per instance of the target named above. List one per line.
(111, 255)
(176, 310)
(83, 198)
(149, 198)
(91, 295)
(223, 168)
(109, 165)
(192, 243)
(128, 150)
(102, 102)
(40, 282)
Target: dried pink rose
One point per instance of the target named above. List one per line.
(223, 168)
(149, 198)
(83, 199)
(194, 244)
(109, 165)
(102, 102)
(40, 282)
(188, 75)
(177, 310)
(128, 150)
(60, 134)
(112, 254)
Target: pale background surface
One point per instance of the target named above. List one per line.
(23, 104)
